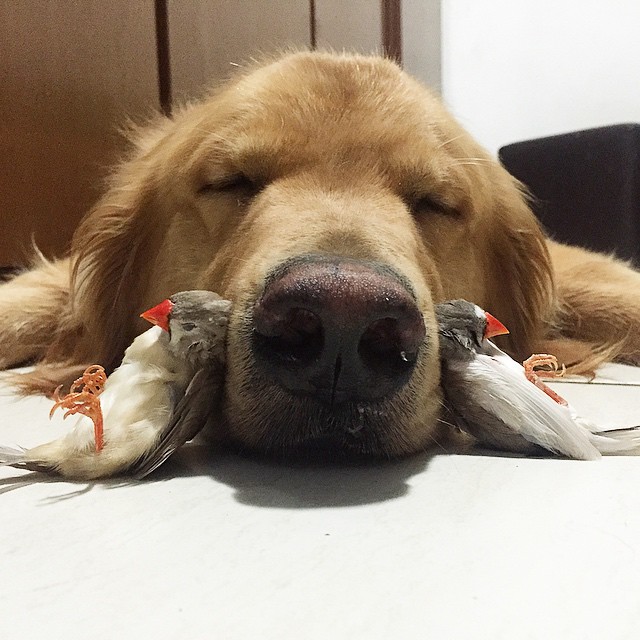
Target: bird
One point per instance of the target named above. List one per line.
(160, 396)
(491, 396)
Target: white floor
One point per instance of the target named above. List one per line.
(217, 546)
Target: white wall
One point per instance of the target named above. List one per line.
(519, 69)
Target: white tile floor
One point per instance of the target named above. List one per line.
(217, 546)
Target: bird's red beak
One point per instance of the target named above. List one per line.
(494, 327)
(159, 315)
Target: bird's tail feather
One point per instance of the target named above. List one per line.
(618, 441)
(10, 456)
(18, 457)
(624, 441)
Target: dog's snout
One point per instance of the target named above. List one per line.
(337, 329)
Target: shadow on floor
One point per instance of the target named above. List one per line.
(276, 484)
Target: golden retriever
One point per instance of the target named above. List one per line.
(333, 200)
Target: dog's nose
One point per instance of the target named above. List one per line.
(337, 329)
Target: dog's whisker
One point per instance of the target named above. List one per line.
(449, 424)
(463, 162)
(237, 259)
(450, 140)
(213, 134)
(467, 164)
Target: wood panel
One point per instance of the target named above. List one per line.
(352, 26)
(421, 40)
(391, 16)
(209, 39)
(70, 72)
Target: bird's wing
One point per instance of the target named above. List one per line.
(188, 418)
(499, 386)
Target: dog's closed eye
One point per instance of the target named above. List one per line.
(234, 183)
(429, 203)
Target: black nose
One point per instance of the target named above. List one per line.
(337, 329)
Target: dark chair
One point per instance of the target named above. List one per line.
(586, 186)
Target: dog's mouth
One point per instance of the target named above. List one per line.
(299, 428)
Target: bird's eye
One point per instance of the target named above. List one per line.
(229, 184)
(188, 326)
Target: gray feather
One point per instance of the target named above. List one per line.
(189, 417)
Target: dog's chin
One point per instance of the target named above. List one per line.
(293, 427)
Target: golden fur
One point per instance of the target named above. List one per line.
(313, 153)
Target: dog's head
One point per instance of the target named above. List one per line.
(333, 200)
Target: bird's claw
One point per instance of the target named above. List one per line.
(551, 369)
(83, 398)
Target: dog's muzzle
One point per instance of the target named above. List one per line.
(337, 329)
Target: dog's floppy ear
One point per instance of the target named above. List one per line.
(520, 278)
(108, 252)
(509, 243)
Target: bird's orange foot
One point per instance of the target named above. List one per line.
(543, 365)
(83, 398)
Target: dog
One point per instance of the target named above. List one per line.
(334, 201)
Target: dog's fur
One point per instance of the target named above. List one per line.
(314, 153)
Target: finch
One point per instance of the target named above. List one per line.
(160, 396)
(487, 394)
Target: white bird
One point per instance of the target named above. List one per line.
(160, 396)
(489, 396)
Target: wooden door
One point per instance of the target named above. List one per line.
(70, 72)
